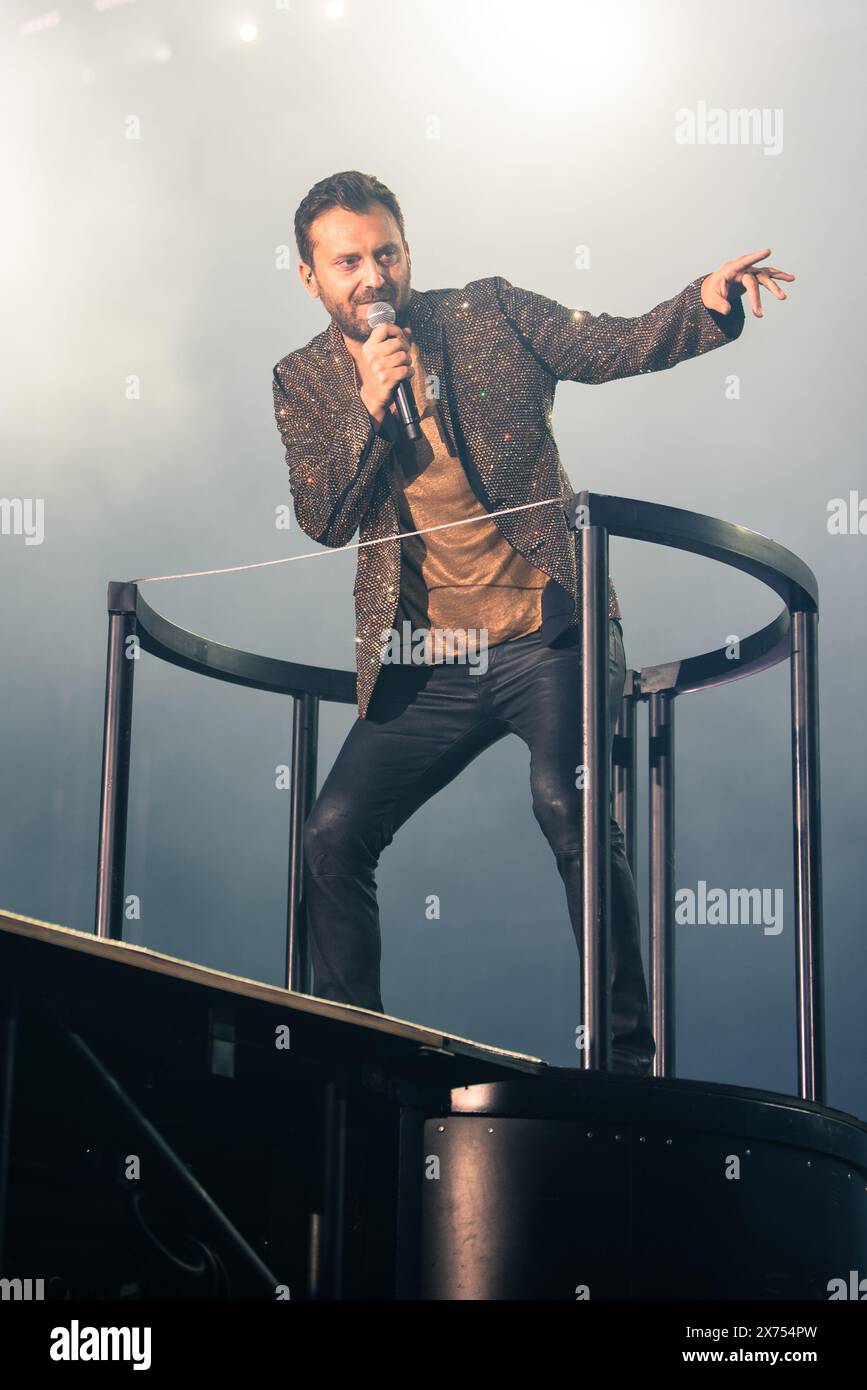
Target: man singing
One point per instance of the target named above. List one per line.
(484, 362)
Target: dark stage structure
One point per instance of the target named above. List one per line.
(170, 1131)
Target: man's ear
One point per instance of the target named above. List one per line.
(308, 279)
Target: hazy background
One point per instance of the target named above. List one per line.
(512, 134)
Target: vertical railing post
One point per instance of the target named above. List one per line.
(298, 968)
(806, 819)
(661, 868)
(117, 732)
(625, 778)
(595, 803)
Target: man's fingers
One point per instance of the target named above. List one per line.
(743, 261)
(388, 330)
(386, 345)
(764, 278)
(743, 276)
(392, 345)
(773, 270)
(754, 295)
(718, 292)
(381, 333)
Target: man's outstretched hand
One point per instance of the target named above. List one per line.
(742, 276)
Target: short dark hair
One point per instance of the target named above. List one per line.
(349, 189)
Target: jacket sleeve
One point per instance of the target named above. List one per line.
(333, 458)
(575, 345)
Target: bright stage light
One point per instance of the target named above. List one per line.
(39, 22)
(582, 52)
(248, 32)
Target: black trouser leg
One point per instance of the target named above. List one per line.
(424, 725)
(537, 691)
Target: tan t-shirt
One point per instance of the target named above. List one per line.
(461, 578)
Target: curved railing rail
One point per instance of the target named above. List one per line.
(793, 636)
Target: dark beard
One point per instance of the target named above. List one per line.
(350, 327)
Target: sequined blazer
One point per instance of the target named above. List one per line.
(494, 354)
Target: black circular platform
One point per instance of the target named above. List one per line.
(591, 1185)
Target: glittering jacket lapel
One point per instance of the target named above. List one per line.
(495, 353)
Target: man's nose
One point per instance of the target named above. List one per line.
(373, 276)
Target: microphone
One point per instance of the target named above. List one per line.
(407, 411)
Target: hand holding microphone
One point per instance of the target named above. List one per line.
(387, 369)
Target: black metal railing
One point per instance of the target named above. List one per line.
(792, 635)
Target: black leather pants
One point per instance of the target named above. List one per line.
(423, 726)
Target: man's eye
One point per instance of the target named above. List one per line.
(384, 255)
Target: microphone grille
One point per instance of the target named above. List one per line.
(380, 312)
